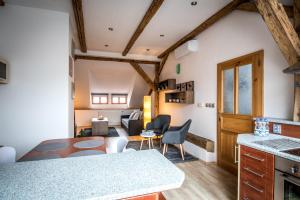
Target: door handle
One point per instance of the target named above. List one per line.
(236, 156)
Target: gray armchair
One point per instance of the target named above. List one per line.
(159, 125)
(176, 135)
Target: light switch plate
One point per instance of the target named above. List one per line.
(277, 128)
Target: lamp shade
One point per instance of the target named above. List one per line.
(147, 110)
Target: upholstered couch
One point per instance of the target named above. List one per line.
(132, 126)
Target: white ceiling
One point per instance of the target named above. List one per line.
(174, 19)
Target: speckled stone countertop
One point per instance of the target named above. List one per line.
(282, 121)
(249, 139)
(109, 176)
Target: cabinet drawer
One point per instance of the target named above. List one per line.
(249, 191)
(254, 158)
(256, 174)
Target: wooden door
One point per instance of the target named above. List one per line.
(240, 98)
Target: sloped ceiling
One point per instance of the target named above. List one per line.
(109, 77)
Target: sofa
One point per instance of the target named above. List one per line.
(133, 126)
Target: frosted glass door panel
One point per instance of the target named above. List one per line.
(228, 91)
(245, 89)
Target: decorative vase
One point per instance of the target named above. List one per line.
(261, 127)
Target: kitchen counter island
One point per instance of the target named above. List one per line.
(108, 176)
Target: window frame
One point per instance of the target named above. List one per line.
(99, 95)
(119, 96)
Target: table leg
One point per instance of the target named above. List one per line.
(141, 144)
(149, 142)
(152, 143)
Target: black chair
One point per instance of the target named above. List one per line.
(176, 135)
(159, 125)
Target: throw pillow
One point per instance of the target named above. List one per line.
(136, 116)
(132, 115)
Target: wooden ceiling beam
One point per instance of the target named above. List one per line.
(78, 14)
(251, 7)
(296, 113)
(155, 5)
(297, 16)
(281, 28)
(158, 70)
(125, 60)
(143, 74)
(162, 64)
(203, 26)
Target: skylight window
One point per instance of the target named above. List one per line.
(119, 98)
(99, 98)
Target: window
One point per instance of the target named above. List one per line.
(119, 98)
(99, 98)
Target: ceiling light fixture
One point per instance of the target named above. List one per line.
(110, 29)
(162, 35)
(106, 45)
(148, 49)
(193, 3)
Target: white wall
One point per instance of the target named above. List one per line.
(238, 34)
(34, 104)
(109, 77)
(84, 117)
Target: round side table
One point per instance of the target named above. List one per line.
(147, 135)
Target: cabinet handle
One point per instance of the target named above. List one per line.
(236, 159)
(253, 187)
(253, 172)
(253, 157)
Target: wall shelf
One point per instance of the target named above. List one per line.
(184, 94)
(169, 84)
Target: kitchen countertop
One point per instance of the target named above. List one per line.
(282, 121)
(109, 176)
(248, 139)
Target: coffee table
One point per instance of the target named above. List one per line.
(99, 126)
(147, 135)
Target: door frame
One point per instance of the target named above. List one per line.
(257, 60)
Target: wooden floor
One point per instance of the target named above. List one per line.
(204, 182)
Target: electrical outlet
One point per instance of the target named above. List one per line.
(277, 128)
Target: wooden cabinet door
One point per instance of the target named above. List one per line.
(240, 98)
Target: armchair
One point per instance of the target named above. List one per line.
(176, 135)
(159, 125)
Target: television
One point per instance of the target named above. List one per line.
(3, 71)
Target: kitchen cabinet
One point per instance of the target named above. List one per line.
(256, 174)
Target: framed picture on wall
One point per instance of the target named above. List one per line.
(71, 63)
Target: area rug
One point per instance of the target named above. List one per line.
(112, 132)
(173, 153)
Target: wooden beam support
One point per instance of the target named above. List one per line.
(150, 92)
(281, 28)
(162, 64)
(156, 93)
(203, 26)
(126, 60)
(296, 114)
(285, 36)
(155, 5)
(251, 7)
(2, 3)
(78, 14)
(141, 72)
(297, 16)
